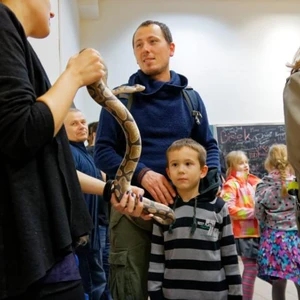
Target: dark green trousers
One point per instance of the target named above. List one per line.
(130, 242)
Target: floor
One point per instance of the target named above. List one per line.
(262, 290)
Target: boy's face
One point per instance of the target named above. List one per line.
(184, 169)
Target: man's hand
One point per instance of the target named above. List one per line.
(159, 187)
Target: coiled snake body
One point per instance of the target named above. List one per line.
(106, 98)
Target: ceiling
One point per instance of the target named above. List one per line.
(89, 9)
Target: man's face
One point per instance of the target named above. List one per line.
(76, 126)
(152, 52)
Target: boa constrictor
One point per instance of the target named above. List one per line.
(107, 99)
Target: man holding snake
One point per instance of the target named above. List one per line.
(162, 116)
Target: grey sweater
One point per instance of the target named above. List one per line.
(195, 262)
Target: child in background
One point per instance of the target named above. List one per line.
(278, 255)
(195, 258)
(239, 191)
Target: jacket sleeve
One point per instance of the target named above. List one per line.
(110, 146)
(157, 264)
(261, 195)
(230, 195)
(25, 124)
(291, 100)
(229, 258)
(203, 135)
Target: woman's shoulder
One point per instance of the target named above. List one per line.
(8, 20)
(5, 14)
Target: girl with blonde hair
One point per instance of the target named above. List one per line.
(238, 191)
(278, 255)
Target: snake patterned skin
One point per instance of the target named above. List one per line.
(107, 99)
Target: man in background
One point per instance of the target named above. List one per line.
(90, 256)
(92, 127)
(103, 210)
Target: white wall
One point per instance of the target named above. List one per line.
(63, 42)
(70, 41)
(233, 52)
(48, 49)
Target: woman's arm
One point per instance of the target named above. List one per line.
(82, 69)
(130, 204)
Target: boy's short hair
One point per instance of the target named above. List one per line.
(190, 143)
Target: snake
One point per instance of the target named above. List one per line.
(106, 98)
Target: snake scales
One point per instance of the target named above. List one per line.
(107, 99)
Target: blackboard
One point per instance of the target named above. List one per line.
(255, 140)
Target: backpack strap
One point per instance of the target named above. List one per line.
(126, 99)
(192, 101)
(188, 93)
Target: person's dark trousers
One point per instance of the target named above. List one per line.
(67, 290)
(105, 246)
(91, 271)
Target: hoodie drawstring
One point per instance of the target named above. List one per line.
(194, 225)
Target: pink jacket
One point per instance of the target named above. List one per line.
(238, 192)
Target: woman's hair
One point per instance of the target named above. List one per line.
(277, 159)
(190, 143)
(233, 158)
(295, 65)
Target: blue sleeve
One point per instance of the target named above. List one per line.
(110, 146)
(203, 135)
(75, 158)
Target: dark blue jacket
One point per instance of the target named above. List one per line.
(84, 163)
(162, 116)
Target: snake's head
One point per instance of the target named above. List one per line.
(139, 88)
(129, 89)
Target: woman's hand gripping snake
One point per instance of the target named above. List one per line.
(107, 99)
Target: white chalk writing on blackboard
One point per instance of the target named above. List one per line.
(255, 140)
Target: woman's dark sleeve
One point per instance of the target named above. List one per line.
(25, 124)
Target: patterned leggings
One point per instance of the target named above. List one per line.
(248, 278)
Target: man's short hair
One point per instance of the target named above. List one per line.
(164, 28)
